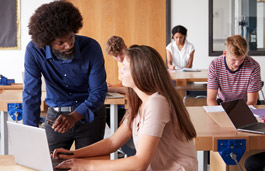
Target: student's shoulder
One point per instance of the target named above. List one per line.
(217, 61)
(252, 62)
(157, 99)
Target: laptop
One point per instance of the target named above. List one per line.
(30, 147)
(242, 117)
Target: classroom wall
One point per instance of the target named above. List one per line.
(195, 18)
(12, 61)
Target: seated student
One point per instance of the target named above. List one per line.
(233, 75)
(156, 119)
(180, 52)
(116, 47)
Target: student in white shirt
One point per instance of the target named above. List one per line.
(180, 52)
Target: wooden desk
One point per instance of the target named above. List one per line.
(183, 78)
(184, 81)
(14, 86)
(15, 96)
(209, 131)
(7, 162)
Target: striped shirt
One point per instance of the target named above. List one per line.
(234, 85)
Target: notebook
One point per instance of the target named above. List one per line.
(30, 147)
(242, 117)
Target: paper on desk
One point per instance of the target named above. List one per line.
(258, 112)
(114, 95)
(219, 108)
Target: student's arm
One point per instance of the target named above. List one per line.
(252, 98)
(103, 147)
(211, 97)
(189, 65)
(145, 151)
(169, 61)
(117, 88)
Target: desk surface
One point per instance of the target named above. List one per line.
(7, 162)
(182, 78)
(13, 86)
(15, 96)
(208, 131)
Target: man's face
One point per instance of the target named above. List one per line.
(233, 62)
(179, 38)
(63, 47)
(120, 57)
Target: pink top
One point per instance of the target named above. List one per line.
(171, 154)
(234, 85)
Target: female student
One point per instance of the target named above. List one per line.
(156, 119)
(180, 52)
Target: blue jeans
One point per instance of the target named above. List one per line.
(82, 133)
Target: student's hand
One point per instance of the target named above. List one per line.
(172, 67)
(74, 165)
(63, 154)
(65, 122)
(109, 85)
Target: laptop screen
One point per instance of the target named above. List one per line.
(239, 113)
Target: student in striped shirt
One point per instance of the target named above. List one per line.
(234, 75)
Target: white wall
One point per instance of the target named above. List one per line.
(12, 61)
(193, 14)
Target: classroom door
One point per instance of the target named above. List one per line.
(140, 22)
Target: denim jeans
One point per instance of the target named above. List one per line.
(82, 133)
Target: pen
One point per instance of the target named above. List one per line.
(50, 122)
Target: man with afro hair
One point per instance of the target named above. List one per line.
(74, 73)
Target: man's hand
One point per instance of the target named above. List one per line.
(65, 122)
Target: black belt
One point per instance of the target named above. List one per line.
(64, 109)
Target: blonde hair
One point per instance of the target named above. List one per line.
(115, 45)
(236, 45)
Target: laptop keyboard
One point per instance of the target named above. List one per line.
(55, 162)
(257, 127)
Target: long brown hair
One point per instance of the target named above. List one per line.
(150, 75)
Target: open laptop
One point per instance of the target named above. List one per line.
(30, 147)
(242, 117)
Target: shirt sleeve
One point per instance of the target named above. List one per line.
(169, 47)
(255, 80)
(212, 77)
(156, 116)
(191, 48)
(97, 86)
(32, 88)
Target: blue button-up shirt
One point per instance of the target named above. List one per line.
(79, 82)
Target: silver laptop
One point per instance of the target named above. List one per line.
(242, 117)
(30, 147)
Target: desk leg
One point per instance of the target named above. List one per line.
(202, 160)
(4, 137)
(113, 125)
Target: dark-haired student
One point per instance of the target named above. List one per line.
(180, 52)
(156, 119)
